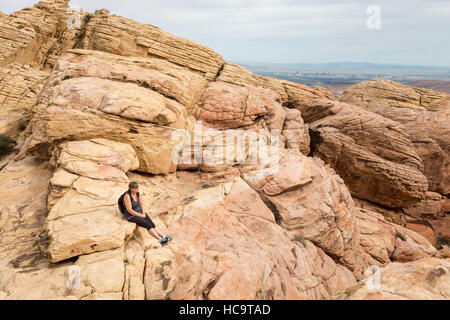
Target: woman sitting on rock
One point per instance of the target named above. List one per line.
(135, 213)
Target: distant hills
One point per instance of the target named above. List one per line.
(352, 68)
(336, 76)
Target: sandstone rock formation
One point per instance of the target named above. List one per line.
(424, 230)
(19, 87)
(446, 205)
(430, 207)
(441, 228)
(22, 222)
(208, 263)
(430, 218)
(89, 178)
(425, 115)
(296, 132)
(385, 242)
(346, 136)
(235, 74)
(384, 165)
(391, 215)
(118, 35)
(292, 95)
(325, 216)
(37, 34)
(82, 103)
(228, 106)
(424, 279)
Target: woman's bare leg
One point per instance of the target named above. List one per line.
(154, 234)
(158, 232)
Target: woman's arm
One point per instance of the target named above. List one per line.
(142, 204)
(127, 201)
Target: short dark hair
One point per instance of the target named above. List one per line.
(133, 185)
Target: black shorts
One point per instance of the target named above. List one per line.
(146, 222)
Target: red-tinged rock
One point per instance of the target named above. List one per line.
(430, 207)
(424, 230)
(425, 115)
(441, 226)
(296, 132)
(307, 197)
(228, 106)
(372, 154)
(385, 242)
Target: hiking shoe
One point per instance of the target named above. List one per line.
(165, 239)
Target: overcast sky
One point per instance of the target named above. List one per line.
(412, 31)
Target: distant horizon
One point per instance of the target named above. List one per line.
(343, 62)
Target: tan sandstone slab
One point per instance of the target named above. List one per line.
(424, 279)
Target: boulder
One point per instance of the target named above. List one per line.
(124, 100)
(296, 132)
(372, 154)
(307, 197)
(430, 207)
(168, 79)
(84, 279)
(424, 279)
(424, 230)
(134, 288)
(92, 272)
(85, 107)
(394, 215)
(122, 36)
(425, 115)
(228, 106)
(38, 34)
(19, 87)
(204, 261)
(301, 97)
(385, 242)
(85, 218)
(99, 159)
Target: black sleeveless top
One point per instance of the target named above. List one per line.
(135, 205)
